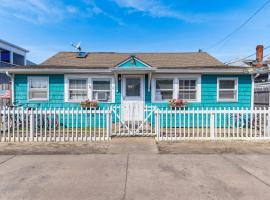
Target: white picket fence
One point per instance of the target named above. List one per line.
(213, 124)
(23, 124)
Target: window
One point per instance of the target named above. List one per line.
(38, 88)
(227, 89)
(77, 90)
(133, 87)
(187, 89)
(5, 56)
(18, 59)
(101, 90)
(164, 89)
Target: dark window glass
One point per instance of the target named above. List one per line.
(18, 59)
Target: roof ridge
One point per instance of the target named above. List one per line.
(112, 52)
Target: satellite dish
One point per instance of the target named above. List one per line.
(77, 46)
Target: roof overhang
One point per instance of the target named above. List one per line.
(190, 70)
(8, 44)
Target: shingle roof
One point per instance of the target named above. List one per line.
(111, 59)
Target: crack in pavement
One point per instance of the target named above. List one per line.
(1, 163)
(246, 171)
(125, 187)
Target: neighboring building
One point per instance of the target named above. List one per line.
(68, 78)
(10, 55)
(260, 67)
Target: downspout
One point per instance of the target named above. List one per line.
(11, 76)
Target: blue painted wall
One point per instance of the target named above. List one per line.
(208, 95)
(130, 64)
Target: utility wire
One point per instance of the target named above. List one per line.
(240, 27)
(241, 59)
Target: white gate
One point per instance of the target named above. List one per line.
(130, 124)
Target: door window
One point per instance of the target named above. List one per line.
(133, 87)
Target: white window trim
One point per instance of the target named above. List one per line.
(176, 79)
(101, 79)
(29, 78)
(90, 79)
(154, 84)
(68, 89)
(236, 88)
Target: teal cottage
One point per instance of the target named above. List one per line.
(69, 78)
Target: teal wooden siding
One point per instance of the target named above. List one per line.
(208, 98)
(208, 93)
(131, 64)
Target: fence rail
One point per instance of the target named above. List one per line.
(69, 124)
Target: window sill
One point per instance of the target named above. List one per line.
(227, 100)
(38, 99)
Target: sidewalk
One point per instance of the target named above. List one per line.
(135, 145)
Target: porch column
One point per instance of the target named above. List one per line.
(116, 81)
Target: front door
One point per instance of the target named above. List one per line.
(132, 97)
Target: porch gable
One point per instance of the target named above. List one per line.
(132, 62)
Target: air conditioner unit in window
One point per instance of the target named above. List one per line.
(101, 96)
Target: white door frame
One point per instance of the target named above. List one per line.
(123, 88)
(132, 101)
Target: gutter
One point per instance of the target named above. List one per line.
(110, 71)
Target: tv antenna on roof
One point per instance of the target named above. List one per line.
(77, 46)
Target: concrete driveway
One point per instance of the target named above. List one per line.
(124, 173)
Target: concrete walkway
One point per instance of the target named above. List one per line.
(133, 169)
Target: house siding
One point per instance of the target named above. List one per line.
(208, 93)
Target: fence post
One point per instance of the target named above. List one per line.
(31, 129)
(212, 125)
(157, 125)
(109, 123)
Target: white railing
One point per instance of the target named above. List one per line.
(24, 124)
(212, 124)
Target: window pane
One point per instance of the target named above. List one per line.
(164, 84)
(38, 95)
(5, 55)
(77, 94)
(192, 84)
(102, 96)
(38, 83)
(163, 95)
(227, 94)
(77, 84)
(187, 84)
(18, 59)
(133, 87)
(227, 84)
(101, 85)
(187, 95)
